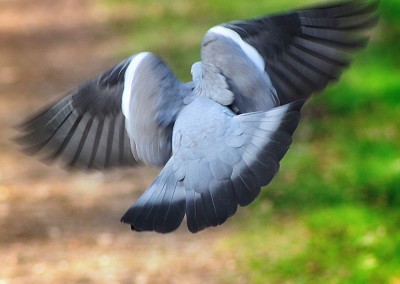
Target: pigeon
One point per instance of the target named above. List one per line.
(218, 138)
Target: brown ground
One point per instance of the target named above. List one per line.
(60, 227)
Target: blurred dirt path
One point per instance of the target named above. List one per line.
(60, 227)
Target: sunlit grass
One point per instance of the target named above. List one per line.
(337, 244)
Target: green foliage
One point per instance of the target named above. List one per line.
(332, 215)
(337, 244)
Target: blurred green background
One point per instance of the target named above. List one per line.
(332, 215)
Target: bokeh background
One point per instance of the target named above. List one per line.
(332, 215)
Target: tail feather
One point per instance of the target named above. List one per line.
(161, 208)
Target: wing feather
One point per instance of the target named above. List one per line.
(88, 129)
(320, 39)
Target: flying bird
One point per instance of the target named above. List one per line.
(218, 138)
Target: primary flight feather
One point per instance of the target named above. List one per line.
(220, 137)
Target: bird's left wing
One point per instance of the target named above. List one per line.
(95, 125)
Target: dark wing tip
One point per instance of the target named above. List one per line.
(306, 49)
(84, 127)
(322, 48)
(60, 131)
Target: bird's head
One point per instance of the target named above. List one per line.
(196, 71)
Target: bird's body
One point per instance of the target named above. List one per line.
(219, 138)
(200, 124)
(219, 160)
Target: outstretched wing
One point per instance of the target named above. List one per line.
(88, 127)
(298, 53)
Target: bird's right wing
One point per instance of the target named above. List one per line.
(298, 53)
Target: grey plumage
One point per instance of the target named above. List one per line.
(220, 137)
(252, 87)
(305, 50)
(156, 98)
(215, 186)
(73, 126)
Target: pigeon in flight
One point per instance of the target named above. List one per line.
(220, 137)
